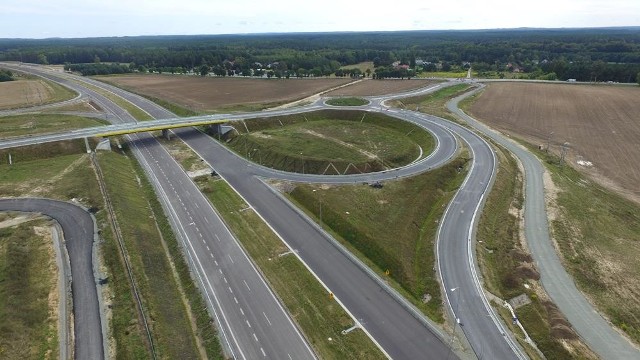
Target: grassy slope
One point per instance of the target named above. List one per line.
(597, 232)
(319, 317)
(394, 227)
(282, 143)
(162, 298)
(20, 125)
(26, 281)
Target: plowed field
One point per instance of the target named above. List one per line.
(21, 93)
(600, 123)
(209, 93)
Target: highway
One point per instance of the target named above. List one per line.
(251, 321)
(397, 328)
(78, 228)
(584, 318)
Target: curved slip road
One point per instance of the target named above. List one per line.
(78, 228)
(592, 327)
(389, 324)
(252, 323)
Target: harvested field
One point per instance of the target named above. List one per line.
(210, 93)
(20, 93)
(600, 123)
(370, 87)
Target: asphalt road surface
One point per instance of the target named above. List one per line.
(252, 323)
(78, 228)
(585, 319)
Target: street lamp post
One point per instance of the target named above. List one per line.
(320, 202)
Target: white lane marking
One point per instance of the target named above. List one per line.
(196, 204)
(230, 258)
(248, 323)
(220, 271)
(247, 285)
(255, 337)
(289, 355)
(225, 280)
(263, 353)
(212, 256)
(235, 299)
(207, 220)
(241, 311)
(217, 237)
(215, 261)
(265, 316)
(208, 248)
(231, 291)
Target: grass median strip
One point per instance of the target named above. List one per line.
(391, 229)
(320, 318)
(161, 287)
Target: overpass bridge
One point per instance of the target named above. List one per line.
(115, 130)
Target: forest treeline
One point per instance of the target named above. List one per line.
(594, 54)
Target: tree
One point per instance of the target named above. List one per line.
(204, 70)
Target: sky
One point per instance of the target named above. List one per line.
(100, 18)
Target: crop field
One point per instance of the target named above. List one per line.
(370, 87)
(209, 93)
(600, 123)
(23, 93)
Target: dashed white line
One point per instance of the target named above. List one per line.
(208, 248)
(247, 285)
(248, 323)
(196, 204)
(212, 256)
(263, 353)
(235, 299)
(220, 271)
(231, 291)
(215, 261)
(255, 337)
(241, 311)
(207, 220)
(225, 279)
(217, 237)
(230, 258)
(265, 316)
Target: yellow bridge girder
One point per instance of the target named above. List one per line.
(159, 127)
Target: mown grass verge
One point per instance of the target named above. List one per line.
(28, 282)
(331, 142)
(597, 233)
(133, 110)
(168, 297)
(433, 103)
(507, 266)
(21, 125)
(347, 101)
(391, 229)
(319, 317)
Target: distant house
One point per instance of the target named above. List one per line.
(395, 64)
(419, 62)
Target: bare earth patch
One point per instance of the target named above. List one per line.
(208, 93)
(600, 123)
(21, 93)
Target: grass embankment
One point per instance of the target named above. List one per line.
(63, 171)
(507, 266)
(433, 103)
(331, 141)
(159, 269)
(34, 91)
(28, 293)
(392, 228)
(21, 125)
(597, 234)
(347, 101)
(319, 317)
